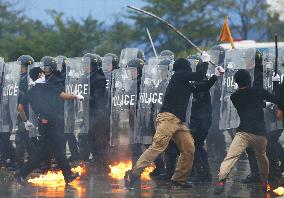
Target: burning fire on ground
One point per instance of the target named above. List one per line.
(118, 170)
(55, 178)
(54, 182)
(279, 191)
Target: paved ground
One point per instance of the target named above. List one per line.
(94, 185)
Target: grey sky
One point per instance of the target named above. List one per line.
(103, 10)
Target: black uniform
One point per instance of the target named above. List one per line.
(43, 99)
(200, 122)
(69, 136)
(22, 140)
(97, 141)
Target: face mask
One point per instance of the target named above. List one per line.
(40, 80)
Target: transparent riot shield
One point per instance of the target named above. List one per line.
(10, 95)
(126, 55)
(193, 63)
(33, 117)
(107, 69)
(76, 113)
(1, 87)
(123, 106)
(149, 98)
(268, 70)
(235, 59)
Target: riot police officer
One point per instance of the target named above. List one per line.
(22, 140)
(97, 141)
(69, 136)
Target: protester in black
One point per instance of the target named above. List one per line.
(43, 99)
(249, 103)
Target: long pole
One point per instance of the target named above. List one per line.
(151, 41)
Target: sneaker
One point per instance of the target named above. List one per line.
(71, 177)
(265, 186)
(130, 179)
(251, 178)
(178, 185)
(219, 188)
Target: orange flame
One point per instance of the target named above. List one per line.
(279, 191)
(54, 182)
(55, 178)
(118, 170)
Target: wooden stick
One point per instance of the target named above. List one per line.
(171, 26)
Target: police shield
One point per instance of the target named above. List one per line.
(123, 106)
(153, 84)
(107, 69)
(126, 55)
(1, 87)
(10, 93)
(268, 71)
(194, 60)
(235, 59)
(33, 117)
(76, 113)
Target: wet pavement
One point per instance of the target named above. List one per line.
(96, 185)
(93, 184)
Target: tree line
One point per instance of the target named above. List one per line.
(201, 21)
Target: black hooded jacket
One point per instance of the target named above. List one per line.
(179, 89)
(201, 102)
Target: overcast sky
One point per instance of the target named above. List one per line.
(103, 10)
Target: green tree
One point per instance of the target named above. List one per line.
(196, 19)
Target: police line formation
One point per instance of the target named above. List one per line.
(96, 104)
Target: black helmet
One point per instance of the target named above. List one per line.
(96, 61)
(49, 61)
(115, 60)
(168, 53)
(136, 62)
(141, 55)
(26, 60)
(181, 64)
(165, 62)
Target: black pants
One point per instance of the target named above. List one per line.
(171, 154)
(83, 144)
(51, 143)
(70, 138)
(7, 149)
(99, 138)
(199, 129)
(23, 143)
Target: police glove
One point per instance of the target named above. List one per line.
(205, 57)
(80, 97)
(275, 78)
(28, 125)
